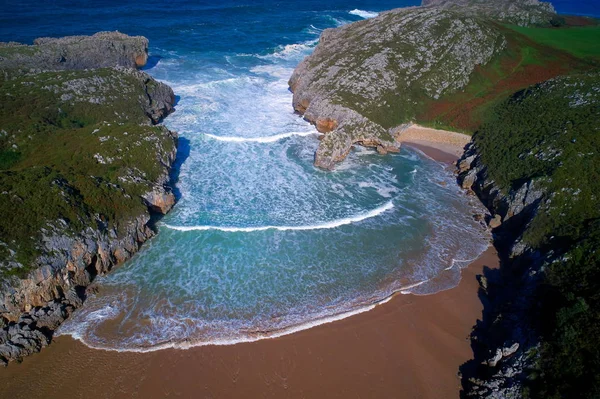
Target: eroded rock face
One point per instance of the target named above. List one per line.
(32, 308)
(373, 75)
(159, 99)
(159, 200)
(518, 206)
(365, 79)
(505, 344)
(104, 49)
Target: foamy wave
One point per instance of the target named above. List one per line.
(364, 14)
(292, 50)
(252, 337)
(267, 139)
(314, 30)
(329, 225)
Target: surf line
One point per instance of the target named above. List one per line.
(364, 14)
(265, 139)
(328, 225)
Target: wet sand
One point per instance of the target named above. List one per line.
(410, 347)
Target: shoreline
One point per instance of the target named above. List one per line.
(409, 343)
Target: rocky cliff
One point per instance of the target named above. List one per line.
(533, 165)
(367, 80)
(505, 340)
(83, 167)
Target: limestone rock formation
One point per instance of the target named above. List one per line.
(104, 49)
(367, 78)
(565, 113)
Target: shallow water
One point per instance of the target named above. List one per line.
(261, 243)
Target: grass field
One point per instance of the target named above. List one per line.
(581, 41)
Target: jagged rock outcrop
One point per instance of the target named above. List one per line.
(518, 12)
(95, 204)
(104, 49)
(505, 341)
(513, 209)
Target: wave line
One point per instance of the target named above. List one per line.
(328, 225)
(265, 139)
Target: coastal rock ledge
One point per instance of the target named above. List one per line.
(101, 50)
(67, 217)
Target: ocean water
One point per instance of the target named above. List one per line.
(260, 243)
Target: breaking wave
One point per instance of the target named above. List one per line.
(364, 14)
(328, 225)
(266, 139)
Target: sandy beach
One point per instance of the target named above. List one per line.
(445, 146)
(409, 347)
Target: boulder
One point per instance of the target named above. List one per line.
(160, 200)
(495, 222)
(493, 362)
(509, 350)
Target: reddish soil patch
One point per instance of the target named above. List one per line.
(465, 111)
(577, 20)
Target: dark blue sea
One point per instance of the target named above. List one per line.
(260, 243)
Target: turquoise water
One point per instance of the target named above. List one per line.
(261, 243)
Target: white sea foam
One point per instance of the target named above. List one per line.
(314, 30)
(252, 337)
(291, 50)
(364, 14)
(328, 225)
(267, 139)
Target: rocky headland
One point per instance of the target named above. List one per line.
(479, 67)
(368, 81)
(84, 169)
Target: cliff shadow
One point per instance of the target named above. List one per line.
(508, 295)
(152, 61)
(183, 152)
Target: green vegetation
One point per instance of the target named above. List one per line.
(571, 354)
(75, 152)
(581, 41)
(550, 134)
(10, 51)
